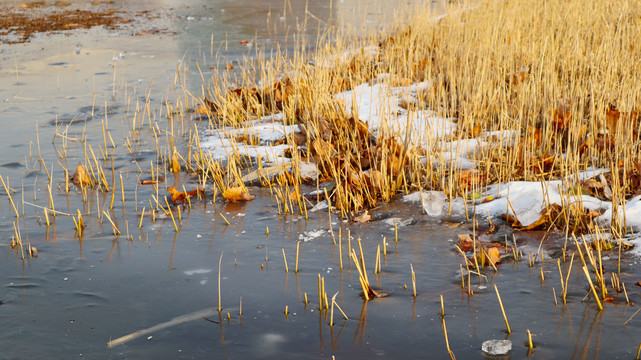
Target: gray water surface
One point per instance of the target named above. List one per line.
(77, 295)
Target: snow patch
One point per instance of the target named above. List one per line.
(311, 235)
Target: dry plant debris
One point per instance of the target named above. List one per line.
(237, 194)
(81, 176)
(182, 196)
(19, 26)
(453, 105)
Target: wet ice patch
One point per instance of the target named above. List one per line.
(311, 235)
(268, 344)
(433, 202)
(320, 206)
(196, 271)
(398, 221)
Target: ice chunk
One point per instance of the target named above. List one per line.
(433, 202)
(496, 347)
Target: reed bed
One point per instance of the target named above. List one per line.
(546, 94)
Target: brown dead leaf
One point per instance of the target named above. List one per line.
(237, 194)
(492, 229)
(363, 218)
(562, 116)
(493, 255)
(180, 196)
(470, 177)
(466, 243)
(212, 105)
(81, 177)
(617, 121)
(592, 184)
(543, 164)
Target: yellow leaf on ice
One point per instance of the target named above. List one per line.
(237, 194)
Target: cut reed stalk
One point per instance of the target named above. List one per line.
(320, 293)
(447, 341)
(567, 280)
(171, 213)
(340, 250)
(297, 251)
(331, 316)
(507, 325)
(220, 262)
(6, 189)
(594, 293)
(113, 225)
(142, 215)
(413, 279)
(285, 260)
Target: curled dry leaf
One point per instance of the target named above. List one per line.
(81, 177)
(493, 255)
(364, 217)
(466, 243)
(488, 256)
(180, 196)
(593, 184)
(237, 194)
